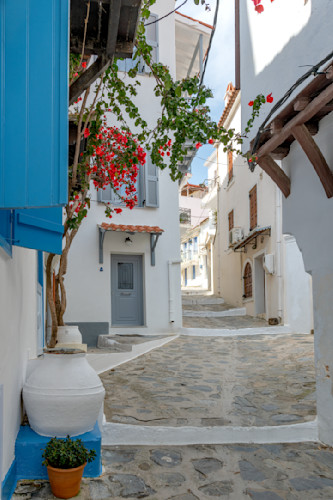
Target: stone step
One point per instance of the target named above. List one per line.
(112, 344)
(236, 311)
(201, 299)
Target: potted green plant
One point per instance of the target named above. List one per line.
(65, 460)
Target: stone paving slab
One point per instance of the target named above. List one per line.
(196, 381)
(203, 472)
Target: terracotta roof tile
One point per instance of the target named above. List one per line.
(131, 228)
(227, 109)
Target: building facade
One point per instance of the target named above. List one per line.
(132, 263)
(295, 149)
(256, 265)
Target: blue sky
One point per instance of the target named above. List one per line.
(220, 66)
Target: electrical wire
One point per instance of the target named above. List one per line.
(313, 71)
(166, 15)
(210, 40)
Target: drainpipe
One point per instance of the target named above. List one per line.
(171, 290)
(278, 232)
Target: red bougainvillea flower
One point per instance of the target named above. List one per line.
(251, 103)
(76, 74)
(198, 145)
(211, 141)
(86, 133)
(269, 98)
(118, 210)
(259, 8)
(256, 2)
(84, 64)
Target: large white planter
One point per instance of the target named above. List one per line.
(69, 334)
(63, 395)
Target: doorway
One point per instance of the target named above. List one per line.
(259, 285)
(126, 290)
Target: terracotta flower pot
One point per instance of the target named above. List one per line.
(65, 483)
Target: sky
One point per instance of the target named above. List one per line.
(220, 66)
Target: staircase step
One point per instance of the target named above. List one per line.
(209, 300)
(236, 311)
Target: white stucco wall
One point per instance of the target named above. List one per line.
(18, 336)
(307, 212)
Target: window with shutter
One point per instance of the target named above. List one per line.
(151, 32)
(230, 166)
(253, 207)
(247, 278)
(151, 184)
(231, 220)
(38, 228)
(33, 103)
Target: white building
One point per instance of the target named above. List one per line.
(124, 274)
(256, 266)
(295, 146)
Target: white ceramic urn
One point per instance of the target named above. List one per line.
(63, 395)
(69, 334)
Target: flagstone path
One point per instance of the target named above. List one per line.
(196, 381)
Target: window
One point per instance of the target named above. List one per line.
(230, 166)
(195, 246)
(193, 271)
(146, 188)
(247, 281)
(231, 220)
(151, 32)
(253, 207)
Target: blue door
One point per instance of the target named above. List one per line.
(186, 277)
(126, 290)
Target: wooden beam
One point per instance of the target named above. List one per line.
(329, 73)
(276, 126)
(301, 103)
(303, 116)
(276, 173)
(280, 152)
(87, 78)
(315, 156)
(113, 24)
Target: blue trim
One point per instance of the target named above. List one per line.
(29, 448)
(9, 483)
(6, 231)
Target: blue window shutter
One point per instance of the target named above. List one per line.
(33, 103)
(39, 228)
(151, 172)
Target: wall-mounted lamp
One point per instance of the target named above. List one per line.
(128, 241)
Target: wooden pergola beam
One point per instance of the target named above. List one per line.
(276, 173)
(114, 17)
(303, 116)
(315, 156)
(87, 78)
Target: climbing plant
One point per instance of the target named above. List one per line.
(111, 156)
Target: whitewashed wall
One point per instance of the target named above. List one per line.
(306, 39)
(18, 335)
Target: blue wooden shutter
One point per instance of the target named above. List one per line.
(33, 103)
(39, 228)
(151, 173)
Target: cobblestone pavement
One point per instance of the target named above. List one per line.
(262, 380)
(203, 472)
